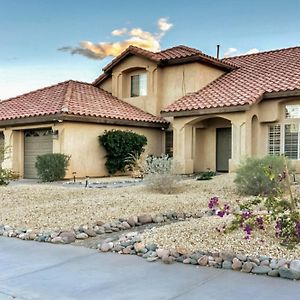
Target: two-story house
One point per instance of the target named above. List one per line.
(207, 112)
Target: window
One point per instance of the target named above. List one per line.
(138, 85)
(274, 139)
(284, 140)
(292, 111)
(169, 143)
(291, 141)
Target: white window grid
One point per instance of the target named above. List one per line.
(277, 140)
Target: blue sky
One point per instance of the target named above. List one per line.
(32, 31)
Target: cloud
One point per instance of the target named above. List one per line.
(252, 51)
(135, 36)
(234, 52)
(119, 32)
(231, 52)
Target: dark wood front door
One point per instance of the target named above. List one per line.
(223, 149)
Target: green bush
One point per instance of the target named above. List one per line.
(207, 175)
(5, 176)
(52, 167)
(119, 145)
(252, 176)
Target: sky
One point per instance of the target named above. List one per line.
(45, 42)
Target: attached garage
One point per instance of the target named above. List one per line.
(36, 142)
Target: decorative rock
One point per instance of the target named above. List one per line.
(126, 250)
(100, 223)
(281, 263)
(151, 247)
(273, 264)
(182, 250)
(295, 265)
(241, 257)
(57, 240)
(186, 261)
(202, 261)
(289, 274)
(260, 270)
(81, 236)
(273, 273)
(158, 219)
(126, 225)
(236, 264)
(145, 219)
(132, 221)
(265, 263)
(254, 260)
(162, 252)
(105, 247)
(227, 264)
(152, 259)
(167, 259)
(247, 267)
(68, 237)
(138, 247)
(227, 255)
(89, 232)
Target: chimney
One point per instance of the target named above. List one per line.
(218, 51)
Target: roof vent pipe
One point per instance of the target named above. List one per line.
(218, 51)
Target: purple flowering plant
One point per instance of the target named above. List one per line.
(281, 211)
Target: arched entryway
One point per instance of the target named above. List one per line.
(213, 144)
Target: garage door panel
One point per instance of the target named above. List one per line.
(36, 142)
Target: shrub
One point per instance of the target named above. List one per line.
(160, 175)
(135, 165)
(206, 175)
(5, 176)
(52, 167)
(252, 179)
(119, 145)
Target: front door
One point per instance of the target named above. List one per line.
(223, 149)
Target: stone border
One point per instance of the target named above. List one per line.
(130, 243)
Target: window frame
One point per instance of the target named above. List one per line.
(142, 85)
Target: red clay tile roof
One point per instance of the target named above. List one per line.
(73, 98)
(165, 57)
(264, 72)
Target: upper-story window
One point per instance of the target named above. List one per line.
(292, 111)
(138, 85)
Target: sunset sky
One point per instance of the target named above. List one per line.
(44, 42)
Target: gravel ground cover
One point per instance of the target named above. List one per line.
(52, 207)
(46, 207)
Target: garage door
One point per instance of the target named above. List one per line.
(1, 147)
(36, 142)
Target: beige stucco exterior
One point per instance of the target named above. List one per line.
(194, 135)
(165, 85)
(80, 141)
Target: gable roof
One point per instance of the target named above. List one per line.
(256, 74)
(174, 55)
(74, 98)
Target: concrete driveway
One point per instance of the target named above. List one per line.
(31, 270)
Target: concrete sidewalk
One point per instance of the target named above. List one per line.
(31, 270)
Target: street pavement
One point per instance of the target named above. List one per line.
(31, 270)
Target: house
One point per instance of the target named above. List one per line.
(207, 112)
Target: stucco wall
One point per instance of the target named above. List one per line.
(165, 85)
(88, 157)
(177, 81)
(107, 85)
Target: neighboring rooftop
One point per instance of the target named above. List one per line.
(73, 98)
(256, 74)
(174, 55)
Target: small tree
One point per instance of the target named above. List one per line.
(119, 145)
(52, 167)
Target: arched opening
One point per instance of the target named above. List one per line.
(212, 144)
